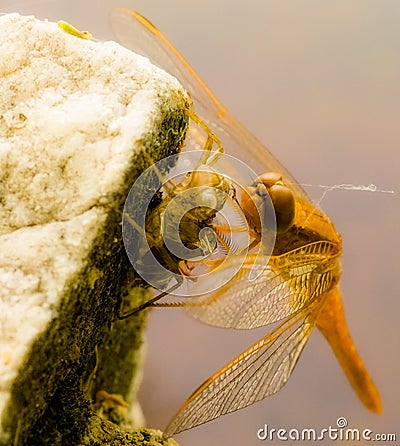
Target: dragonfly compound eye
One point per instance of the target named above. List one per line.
(255, 204)
(284, 206)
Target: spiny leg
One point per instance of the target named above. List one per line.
(152, 165)
(139, 229)
(150, 302)
(211, 138)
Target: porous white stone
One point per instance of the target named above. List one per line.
(73, 113)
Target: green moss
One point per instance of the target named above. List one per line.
(103, 432)
(50, 403)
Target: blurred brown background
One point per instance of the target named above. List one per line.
(319, 83)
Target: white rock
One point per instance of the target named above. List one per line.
(73, 114)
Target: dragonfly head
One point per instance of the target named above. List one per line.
(257, 207)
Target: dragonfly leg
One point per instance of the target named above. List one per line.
(169, 185)
(211, 139)
(150, 302)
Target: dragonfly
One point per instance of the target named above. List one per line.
(296, 286)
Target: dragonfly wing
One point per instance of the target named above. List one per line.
(139, 35)
(258, 372)
(279, 290)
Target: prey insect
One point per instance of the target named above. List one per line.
(178, 227)
(296, 283)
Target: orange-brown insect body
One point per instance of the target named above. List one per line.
(297, 284)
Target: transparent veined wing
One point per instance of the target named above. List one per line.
(260, 371)
(138, 34)
(287, 284)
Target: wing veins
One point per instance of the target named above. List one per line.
(214, 397)
(236, 305)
